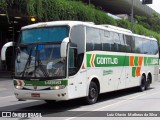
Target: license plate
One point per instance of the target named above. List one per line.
(35, 95)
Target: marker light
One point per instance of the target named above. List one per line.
(18, 87)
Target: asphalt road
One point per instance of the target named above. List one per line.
(113, 106)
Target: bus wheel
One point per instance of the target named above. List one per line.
(93, 93)
(148, 83)
(50, 101)
(141, 88)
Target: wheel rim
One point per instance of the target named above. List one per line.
(92, 93)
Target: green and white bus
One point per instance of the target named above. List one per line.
(64, 60)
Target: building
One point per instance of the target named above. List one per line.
(123, 7)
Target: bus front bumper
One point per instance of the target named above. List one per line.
(41, 94)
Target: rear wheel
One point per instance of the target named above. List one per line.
(148, 83)
(142, 86)
(92, 94)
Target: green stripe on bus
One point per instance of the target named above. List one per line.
(117, 60)
(43, 83)
(135, 61)
(149, 61)
(88, 60)
(133, 71)
(108, 60)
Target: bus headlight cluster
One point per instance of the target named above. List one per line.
(58, 87)
(18, 87)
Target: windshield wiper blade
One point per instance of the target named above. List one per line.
(27, 63)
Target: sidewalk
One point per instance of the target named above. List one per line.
(3, 79)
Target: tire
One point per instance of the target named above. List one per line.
(148, 83)
(50, 101)
(142, 86)
(92, 94)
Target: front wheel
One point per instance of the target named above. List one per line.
(92, 94)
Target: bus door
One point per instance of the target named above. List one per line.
(77, 75)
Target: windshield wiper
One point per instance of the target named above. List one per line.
(27, 63)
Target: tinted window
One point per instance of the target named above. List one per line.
(154, 47)
(48, 34)
(138, 45)
(122, 47)
(93, 40)
(130, 43)
(117, 43)
(106, 40)
(146, 47)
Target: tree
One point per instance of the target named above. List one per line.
(154, 22)
(142, 20)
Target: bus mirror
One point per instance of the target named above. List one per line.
(64, 45)
(4, 48)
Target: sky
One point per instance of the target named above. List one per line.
(155, 5)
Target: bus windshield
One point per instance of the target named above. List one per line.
(39, 61)
(38, 53)
(47, 34)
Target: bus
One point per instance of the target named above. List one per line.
(64, 60)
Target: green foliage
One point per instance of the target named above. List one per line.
(51, 10)
(143, 21)
(139, 29)
(124, 24)
(152, 23)
(67, 10)
(3, 5)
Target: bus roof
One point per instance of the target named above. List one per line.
(90, 24)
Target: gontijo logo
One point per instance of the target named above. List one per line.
(96, 60)
(102, 60)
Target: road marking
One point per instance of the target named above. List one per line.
(106, 106)
(126, 100)
(6, 97)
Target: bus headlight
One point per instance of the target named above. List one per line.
(58, 87)
(18, 87)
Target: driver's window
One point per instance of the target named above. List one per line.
(72, 61)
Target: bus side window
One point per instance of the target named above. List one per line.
(106, 40)
(116, 39)
(154, 47)
(138, 45)
(93, 39)
(130, 44)
(122, 47)
(89, 39)
(146, 47)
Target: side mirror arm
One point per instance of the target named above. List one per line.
(4, 48)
